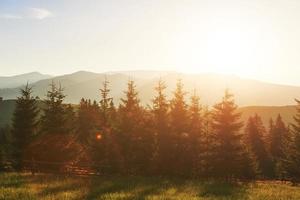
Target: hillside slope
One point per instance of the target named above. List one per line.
(210, 87)
(19, 80)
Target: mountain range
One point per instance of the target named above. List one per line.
(210, 87)
(266, 99)
(19, 80)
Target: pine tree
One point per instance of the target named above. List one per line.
(160, 108)
(108, 148)
(269, 134)
(254, 136)
(134, 136)
(160, 111)
(70, 119)
(195, 148)
(292, 162)
(95, 115)
(277, 136)
(54, 119)
(179, 111)
(24, 124)
(87, 122)
(278, 139)
(130, 111)
(105, 103)
(208, 144)
(226, 127)
(179, 129)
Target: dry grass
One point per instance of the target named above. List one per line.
(51, 187)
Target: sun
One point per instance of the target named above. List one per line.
(220, 51)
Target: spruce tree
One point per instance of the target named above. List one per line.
(269, 134)
(277, 136)
(208, 144)
(24, 124)
(278, 140)
(195, 148)
(53, 120)
(70, 119)
(179, 128)
(160, 109)
(134, 136)
(87, 122)
(254, 138)
(226, 125)
(179, 111)
(292, 162)
(130, 111)
(107, 148)
(106, 102)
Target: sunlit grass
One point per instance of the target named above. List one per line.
(51, 187)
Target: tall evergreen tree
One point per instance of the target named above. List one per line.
(134, 135)
(179, 110)
(53, 120)
(254, 136)
(226, 127)
(278, 136)
(105, 102)
(207, 141)
(107, 108)
(108, 148)
(195, 148)
(179, 128)
(24, 124)
(87, 122)
(70, 119)
(160, 111)
(269, 134)
(292, 162)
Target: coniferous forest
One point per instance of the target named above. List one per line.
(170, 137)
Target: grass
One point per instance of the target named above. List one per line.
(15, 186)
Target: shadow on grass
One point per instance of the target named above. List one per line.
(223, 189)
(124, 188)
(114, 187)
(11, 180)
(57, 184)
(141, 188)
(59, 188)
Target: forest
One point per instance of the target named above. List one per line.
(176, 137)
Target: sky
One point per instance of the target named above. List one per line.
(257, 39)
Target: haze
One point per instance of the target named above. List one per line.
(257, 39)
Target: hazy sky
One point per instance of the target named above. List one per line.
(257, 39)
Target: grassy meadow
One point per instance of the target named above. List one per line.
(15, 186)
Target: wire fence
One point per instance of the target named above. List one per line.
(35, 166)
(74, 168)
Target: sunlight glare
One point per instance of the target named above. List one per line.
(221, 51)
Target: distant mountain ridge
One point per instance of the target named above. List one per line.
(19, 80)
(210, 87)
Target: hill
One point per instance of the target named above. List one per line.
(210, 87)
(19, 80)
(268, 112)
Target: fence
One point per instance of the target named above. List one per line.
(35, 166)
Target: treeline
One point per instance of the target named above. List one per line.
(169, 137)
